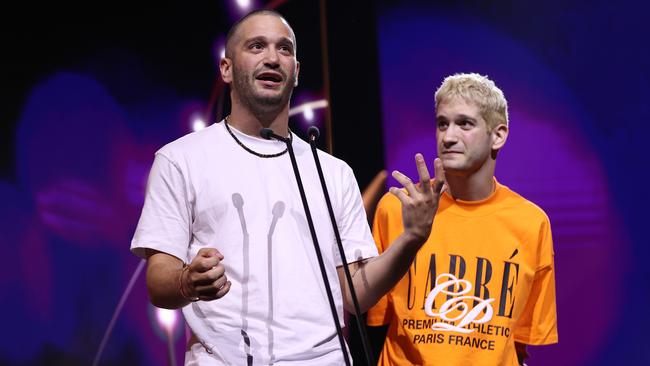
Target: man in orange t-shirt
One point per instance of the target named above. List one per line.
(482, 286)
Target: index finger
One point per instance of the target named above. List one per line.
(209, 252)
(203, 264)
(423, 172)
(206, 259)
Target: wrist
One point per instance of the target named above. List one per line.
(413, 240)
(415, 237)
(182, 287)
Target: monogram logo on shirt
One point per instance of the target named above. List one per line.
(451, 287)
(456, 308)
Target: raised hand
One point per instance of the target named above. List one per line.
(419, 203)
(205, 277)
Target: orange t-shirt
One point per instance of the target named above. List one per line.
(483, 280)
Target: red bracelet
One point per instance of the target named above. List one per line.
(180, 286)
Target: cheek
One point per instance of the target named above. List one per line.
(291, 70)
(480, 145)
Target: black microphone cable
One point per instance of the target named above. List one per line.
(268, 134)
(313, 134)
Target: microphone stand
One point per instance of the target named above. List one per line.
(314, 133)
(268, 134)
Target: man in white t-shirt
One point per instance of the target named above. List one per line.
(226, 202)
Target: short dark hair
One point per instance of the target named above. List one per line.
(233, 30)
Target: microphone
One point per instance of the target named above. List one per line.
(268, 134)
(313, 135)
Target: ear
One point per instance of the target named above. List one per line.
(225, 66)
(297, 73)
(499, 136)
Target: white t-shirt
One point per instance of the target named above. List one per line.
(205, 190)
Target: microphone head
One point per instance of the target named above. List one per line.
(266, 133)
(313, 132)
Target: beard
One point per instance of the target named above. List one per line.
(244, 84)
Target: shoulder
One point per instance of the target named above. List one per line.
(332, 164)
(526, 209)
(389, 204)
(191, 143)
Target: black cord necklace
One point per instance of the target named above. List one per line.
(248, 149)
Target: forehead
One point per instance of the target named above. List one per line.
(455, 105)
(265, 25)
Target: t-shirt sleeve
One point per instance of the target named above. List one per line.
(538, 322)
(353, 223)
(378, 314)
(165, 220)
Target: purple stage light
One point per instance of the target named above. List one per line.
(309, 108)
(192, 116)
(239, 8)
(167, 319)
(219, 49)
(244, 5)
(198, 124)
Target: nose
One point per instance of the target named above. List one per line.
(272, 59)
(449, 136)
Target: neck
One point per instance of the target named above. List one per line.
(251, 122)
(474, 186)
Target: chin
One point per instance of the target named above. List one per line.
(274, 99)
(452, 168)
(270, 101)
(268, 93)
(452, 164)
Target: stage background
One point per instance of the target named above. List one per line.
(89, 94)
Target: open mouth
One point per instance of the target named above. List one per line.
(269, 77)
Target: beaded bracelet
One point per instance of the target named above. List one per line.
(180, 286)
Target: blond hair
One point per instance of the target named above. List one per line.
(477, 89)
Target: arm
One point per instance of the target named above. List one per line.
(522, 354)
(374, 277)
(537, 324)
(162, 236)
(171, 286)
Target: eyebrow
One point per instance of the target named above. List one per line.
(286, 41)
(460, 116)
(464, 116)
(263, 39)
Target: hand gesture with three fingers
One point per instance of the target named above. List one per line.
(419, 202)
(205, 277)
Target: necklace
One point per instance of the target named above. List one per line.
(248, 149)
